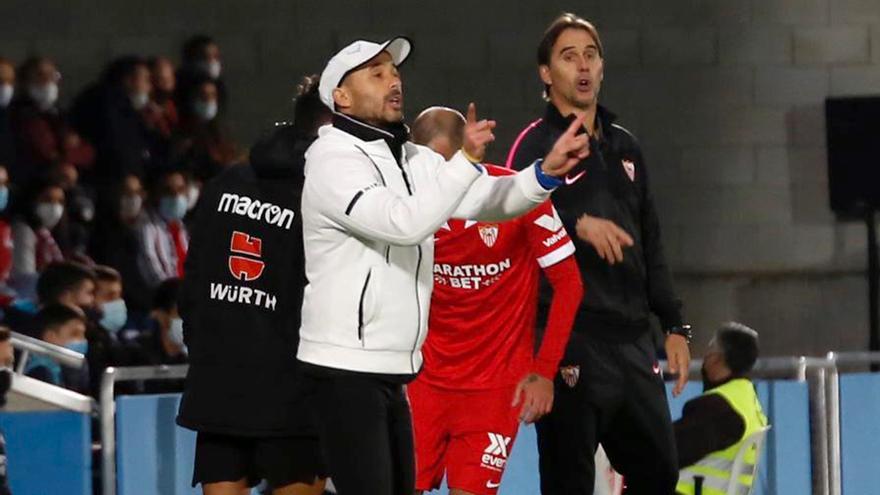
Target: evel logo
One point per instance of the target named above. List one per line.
(242, 268)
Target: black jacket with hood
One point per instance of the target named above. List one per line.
(242, 295)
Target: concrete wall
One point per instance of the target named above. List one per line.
(725, 95)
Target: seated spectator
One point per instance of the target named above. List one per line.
(714, 425)
(107, 346)
(35, 247)
(161, 113)
(163, 236)
(75, 227)
(67, 283)
(63, 326)
(161, 342)
(116, 243)
(204, 144)
(7, 90)
(200, 60)
(42, 134)
(125, 143)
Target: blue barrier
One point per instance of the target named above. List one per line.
(860, 432)
(155, 456)
(48, 452)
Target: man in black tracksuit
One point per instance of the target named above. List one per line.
(609, 389)
(241, 303)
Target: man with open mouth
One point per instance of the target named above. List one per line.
(371, 203)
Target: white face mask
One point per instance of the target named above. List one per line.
(45, 95)
(192, 196)
(6, 92)
(205, 110)
(130, 206)
(49, 214)
(175, 334)
(211, 68)
(139, 100)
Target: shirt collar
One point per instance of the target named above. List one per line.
(603, 116)
(395, 135)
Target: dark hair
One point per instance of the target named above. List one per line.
(120, 68)
(308, 109)
(104, 273)
(555, 29)
(193, 46)
(739, 344)
(23, 204)
(165, 297)
(27, 68)
(5, 333)
(55, 315)
(60, 277)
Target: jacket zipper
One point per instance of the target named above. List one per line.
(418, 314)
(361, 309)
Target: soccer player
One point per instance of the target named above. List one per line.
(480, 377)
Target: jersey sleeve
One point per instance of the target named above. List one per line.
(549, 240)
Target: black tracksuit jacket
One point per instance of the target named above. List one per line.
(242, 295)
(618, 299)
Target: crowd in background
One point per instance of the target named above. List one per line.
(94, 203)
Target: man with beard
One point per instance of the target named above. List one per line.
(240, 304)
(371, 204)
(714, 426)
(609, 389)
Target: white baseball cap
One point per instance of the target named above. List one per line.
(353, 56)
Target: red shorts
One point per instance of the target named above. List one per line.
(466, 434)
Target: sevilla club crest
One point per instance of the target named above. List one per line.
(630, 168)
(489, 234)
(246, 269)
(570, 375)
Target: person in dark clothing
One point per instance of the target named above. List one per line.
(110, 115)
(203, 146)
(240, 304)
(7, 90)
(161, 113)
(200, 59)
(43, 135)
(116, 243)
(609, 388)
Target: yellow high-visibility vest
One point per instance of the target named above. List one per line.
(716, 467)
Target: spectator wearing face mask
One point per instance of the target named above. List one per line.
(163, 236)
(116, 243)
(204, 144)
(162, 340)
(7, 90)
(75, 227)
(42, 134)
(200, 59)
(113, 113)
(34, 244)
(63, 326)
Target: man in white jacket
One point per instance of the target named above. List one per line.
(371, 203)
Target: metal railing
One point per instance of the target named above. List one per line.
(28, 345)
(108, 410)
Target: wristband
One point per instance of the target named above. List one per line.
(547, 182)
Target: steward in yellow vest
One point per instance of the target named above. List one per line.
(714, 425)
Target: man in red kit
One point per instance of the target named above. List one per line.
(481, 376)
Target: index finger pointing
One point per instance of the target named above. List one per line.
(471, 113)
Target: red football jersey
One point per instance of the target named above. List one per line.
(486, 274)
